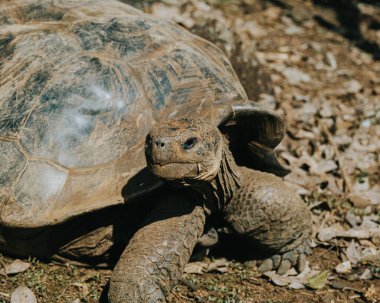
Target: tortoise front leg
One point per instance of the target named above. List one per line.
(157, 254)
(271, 217)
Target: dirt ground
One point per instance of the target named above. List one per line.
(323, 76)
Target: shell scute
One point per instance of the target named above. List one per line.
(82, 84)
(79, 117)
(29, 189)
(40, 12)
(12, 162)
(127, 37)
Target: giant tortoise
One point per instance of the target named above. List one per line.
(82, 83)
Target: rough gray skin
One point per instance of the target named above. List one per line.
(192, 154)
(157, 254)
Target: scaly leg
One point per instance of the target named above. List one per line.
(271, 217)
(157, 254)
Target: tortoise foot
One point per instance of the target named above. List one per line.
(283, 262)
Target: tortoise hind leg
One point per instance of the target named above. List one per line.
(271, 217)
(157, 254)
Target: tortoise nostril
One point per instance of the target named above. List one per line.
(160, 143)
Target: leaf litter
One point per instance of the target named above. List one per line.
(332, 108)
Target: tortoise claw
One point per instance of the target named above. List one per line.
(284, 267)
(301, 263)
(266, 265)
(282, 263)
(276, 261)
(209, 238)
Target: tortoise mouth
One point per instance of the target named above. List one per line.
(185, 171)
(175, 170)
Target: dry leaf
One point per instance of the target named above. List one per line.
(353, 220)
(84, 288)
(371, 293)
(328, 233)
(291, 279)
(23, 294)
(319, 281)
(352, 86)
(218, 265)
(296, 285)
(195, 268)
(277, 279)
(353, 253)
(344, 267)
(336, 231)
(295, 76)
(366, 275)
(17, 266)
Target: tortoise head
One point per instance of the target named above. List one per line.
(184, 149)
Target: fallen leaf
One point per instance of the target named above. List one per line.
(328, 233)
(366, 275)
(195, 268)
(352, 219)
(295, 76)
(84, 288)
(277, 279)
(23, 294)
(371, 293)
(293, 29)
(352, 86)
(336, 231)
(165, 11)
(319, 280)
(218, 265)
(325, 167)
(358, 200)
(16, 267)
(296, 285)
(352, 253)
(344, 267)
(331, 60)
(291, 279)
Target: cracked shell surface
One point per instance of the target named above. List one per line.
(82, 82)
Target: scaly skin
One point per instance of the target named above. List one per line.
(191, 153)
(157, 254)
(273, 218)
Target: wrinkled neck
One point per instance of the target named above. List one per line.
(219, 191)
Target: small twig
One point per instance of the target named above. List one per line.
(346, 178)
(3, 266)
(306, 294)
(64, 291)
(62, 261)
(179, 298)
(188, 283)
(4, 296)
(329, 249)
(337, 247)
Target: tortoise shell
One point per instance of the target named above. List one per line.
(82, 82)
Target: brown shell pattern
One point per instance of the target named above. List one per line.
(81, 84)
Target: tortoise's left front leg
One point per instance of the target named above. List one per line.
(273, 218)
(157, 254)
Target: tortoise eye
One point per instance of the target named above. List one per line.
(189, 143)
